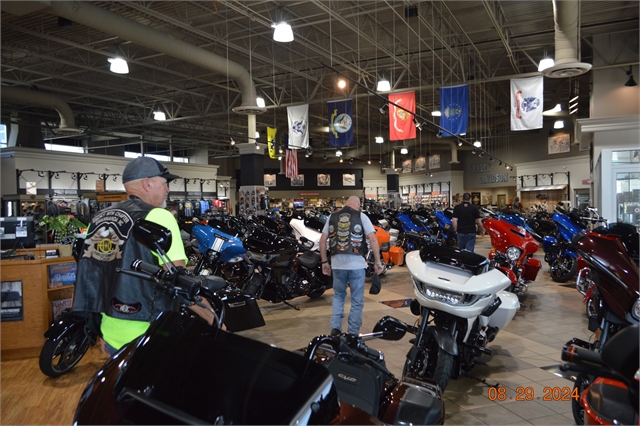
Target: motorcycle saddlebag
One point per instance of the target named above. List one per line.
(531, 269)
(357, 384)
(397, 255)
(241, 311)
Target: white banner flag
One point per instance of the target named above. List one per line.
(298, 126)
(526, 103)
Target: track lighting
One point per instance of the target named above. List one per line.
(324, 157)
(506, 166)
(417, 124)
(351, 160)
(491, 159)
(280, 150)
(341, 160)
(473, 151)
(232, 141)
(481, 154)
(631, 82)
(384, 109)
(369, 162)
(500, 164)
(338, 153)
(459, 143)
(257, 145)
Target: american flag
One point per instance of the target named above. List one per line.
(291, 163)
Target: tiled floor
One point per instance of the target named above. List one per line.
(524, 353)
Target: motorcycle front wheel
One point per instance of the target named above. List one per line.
(564, 268)
(57, 357)
(432, 362)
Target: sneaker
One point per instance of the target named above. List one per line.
(335, 332)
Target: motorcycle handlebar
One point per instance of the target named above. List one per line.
(579, 355)
(140, 266)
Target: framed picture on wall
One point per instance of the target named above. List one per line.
(421, 164)
(348, 179)
(475, 198)
(324, 179)
(559, 143)
(270, 180)
(298, 181)
(406, 166)
(434, 161)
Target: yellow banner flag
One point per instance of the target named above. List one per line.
(271, 143)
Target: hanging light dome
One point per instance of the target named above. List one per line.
(282, 32)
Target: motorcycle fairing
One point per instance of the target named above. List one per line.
(212, 375)
(206, 236)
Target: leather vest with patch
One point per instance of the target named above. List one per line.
(109, 245)
(346, 234)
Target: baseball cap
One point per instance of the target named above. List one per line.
(145, 167)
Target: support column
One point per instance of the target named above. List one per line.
(254, 197)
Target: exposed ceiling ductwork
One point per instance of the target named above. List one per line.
(567, 62)
(30, 97)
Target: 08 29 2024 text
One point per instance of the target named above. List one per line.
(528, 393)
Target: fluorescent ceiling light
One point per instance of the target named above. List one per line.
(379, 139)
(260, 102)
(404, 151)
(575, 98)
(159, 116)
(436, 113)
(118, 66)
(545, 63)
(477, 144)
(572, 106)
(559, 124)
(384, 85)
(282, 32)
(555, 109)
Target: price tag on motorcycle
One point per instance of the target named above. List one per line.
(217, 243)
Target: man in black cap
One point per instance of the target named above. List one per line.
(465, 218)
(127, 303)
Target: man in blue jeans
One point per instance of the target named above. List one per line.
(465, 217)
(346, 231)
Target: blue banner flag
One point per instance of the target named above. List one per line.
(454, 109)
(340, 122)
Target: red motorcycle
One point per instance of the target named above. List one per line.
(512, 252)
(612, 398)
(616, 296)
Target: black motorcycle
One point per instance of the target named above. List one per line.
(280, 272)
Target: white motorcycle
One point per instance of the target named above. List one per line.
(308, 228)
(461, 305)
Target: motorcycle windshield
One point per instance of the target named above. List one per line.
(182, 368)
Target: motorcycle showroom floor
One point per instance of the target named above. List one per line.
(524, 361)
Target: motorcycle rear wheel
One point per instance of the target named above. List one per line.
(564, 268)
(582, 382)
(58, 357)
(432, 362)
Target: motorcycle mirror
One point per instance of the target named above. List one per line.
(151, 235)
(391, 328)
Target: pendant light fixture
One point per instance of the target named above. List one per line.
(384, 85)
(545, 63)
(118, 66)
(379, 139)
(282, 32)
(159, 116)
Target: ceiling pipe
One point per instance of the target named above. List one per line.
(110, 23)
(454, 152)
(566, 15)
(31, 97)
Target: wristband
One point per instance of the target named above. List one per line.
(326, 261)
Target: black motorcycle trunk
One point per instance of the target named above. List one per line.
(184, 371)
(265, 242)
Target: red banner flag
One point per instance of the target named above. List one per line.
(291, 163)
(401, 125)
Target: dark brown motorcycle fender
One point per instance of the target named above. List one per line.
(415, 401)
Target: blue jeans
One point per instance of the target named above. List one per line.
(355, 280)
(466, 241)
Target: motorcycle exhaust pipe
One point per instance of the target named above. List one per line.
(582, 280)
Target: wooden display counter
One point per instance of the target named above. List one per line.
(27, 316)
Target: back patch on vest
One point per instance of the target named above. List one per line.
(125, 308)
(345, 240)
(108, 233)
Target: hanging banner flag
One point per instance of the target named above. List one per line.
(291, 163)
(401, 125)
(271, 143)
(340, 122)
(454, 110)
(298, 126)
(526, 103)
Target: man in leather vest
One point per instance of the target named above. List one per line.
(127, 303)
(346, 231)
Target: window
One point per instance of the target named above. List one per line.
(65, 148)
(3, 136)
(158, 157)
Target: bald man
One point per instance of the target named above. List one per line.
(346, 231)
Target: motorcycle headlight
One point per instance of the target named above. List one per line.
(449, 297)
(635, 311)
(513, 253)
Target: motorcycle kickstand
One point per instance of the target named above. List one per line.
(483, 381)
(290, 305)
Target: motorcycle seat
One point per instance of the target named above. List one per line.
(309, 259)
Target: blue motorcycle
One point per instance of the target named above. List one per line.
(221, 252)
(559, 253)
(445, 227)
